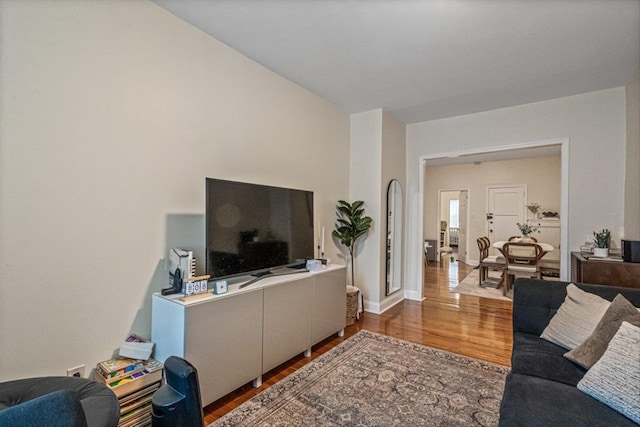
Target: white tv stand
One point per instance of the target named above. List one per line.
(234, 338)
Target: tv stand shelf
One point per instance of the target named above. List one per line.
(235, 338)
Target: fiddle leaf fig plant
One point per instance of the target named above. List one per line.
(602, 238)
(350, 226)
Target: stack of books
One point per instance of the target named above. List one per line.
(134, 382)
(184, 260)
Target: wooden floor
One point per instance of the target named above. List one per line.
(463, 324)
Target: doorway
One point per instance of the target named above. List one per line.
(424, 221)
(453, 214)
(505, 209)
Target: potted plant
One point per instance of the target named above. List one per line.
(601, 239)
(526, 230)
(350, 227)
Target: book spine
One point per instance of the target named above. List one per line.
(135, 382)
(192, 265)
(116, 367)
(110, 378)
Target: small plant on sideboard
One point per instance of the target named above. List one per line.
(601, 239)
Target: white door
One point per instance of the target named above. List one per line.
(462, 225)
(506, 208)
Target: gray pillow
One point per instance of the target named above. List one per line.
(576, 318)
(615, 379)
(588, 353)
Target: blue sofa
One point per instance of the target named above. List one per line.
(541, 388)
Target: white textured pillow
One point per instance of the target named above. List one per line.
(615, 379)
(576, 318)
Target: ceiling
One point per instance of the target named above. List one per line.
(430, 59)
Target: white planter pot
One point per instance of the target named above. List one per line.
(601, 252)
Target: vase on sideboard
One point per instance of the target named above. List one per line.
(601, 252)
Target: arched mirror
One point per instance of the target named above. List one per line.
(394, 236)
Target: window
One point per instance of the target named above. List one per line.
(453, 213)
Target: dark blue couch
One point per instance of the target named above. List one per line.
(57, 402)
(541, 388)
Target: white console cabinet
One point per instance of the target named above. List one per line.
(286, 328)
(549, 232)
(236, 337)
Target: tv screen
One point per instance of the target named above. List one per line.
(252, 229)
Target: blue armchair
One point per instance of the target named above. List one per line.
(57, 402)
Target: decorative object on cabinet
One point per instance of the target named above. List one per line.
(220, 287)
(601, 239)
(535, 209)
(630, 250)
(184, 260)
(195, 285)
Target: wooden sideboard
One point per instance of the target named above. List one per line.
(614, 273)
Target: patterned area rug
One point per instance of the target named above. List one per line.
(376, 380)
(489, 288)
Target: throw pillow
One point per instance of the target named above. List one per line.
(576, 318)
(615, 379)
(588, 353)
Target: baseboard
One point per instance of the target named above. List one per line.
(413, 295)
(371, 307)
(391, 300)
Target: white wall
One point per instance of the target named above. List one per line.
(377, 156)
(365, 178)
(632, 171)
(594, 124)
(113, 113)
(393, 167)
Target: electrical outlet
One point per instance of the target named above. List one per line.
(78, 371)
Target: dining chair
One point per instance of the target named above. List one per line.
(517, 238)
(486, 261)
(444, 250)
(523, 260)
(426, 253)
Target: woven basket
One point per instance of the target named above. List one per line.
(352, 304)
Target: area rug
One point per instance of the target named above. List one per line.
(489, 288)
(376, 380)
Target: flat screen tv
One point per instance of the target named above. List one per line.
(254, 229)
